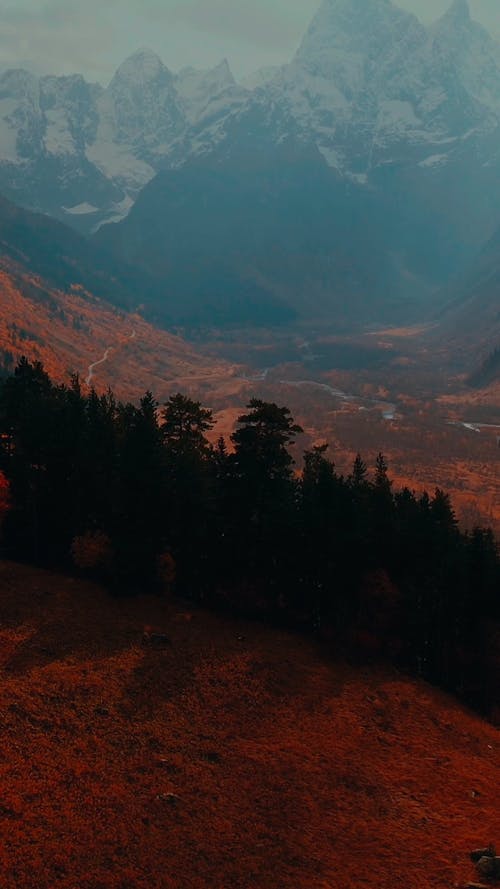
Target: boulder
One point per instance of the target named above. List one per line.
(477, 854)
(486, 866)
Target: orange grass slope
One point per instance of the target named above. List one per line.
(69, 332)
(235, 757)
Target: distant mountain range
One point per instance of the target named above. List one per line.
(83, 153)
(353, 182)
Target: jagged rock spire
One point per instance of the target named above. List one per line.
(143, 65)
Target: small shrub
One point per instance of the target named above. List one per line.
(92, 551)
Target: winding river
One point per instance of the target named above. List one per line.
(387, 409)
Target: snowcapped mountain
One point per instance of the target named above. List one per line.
(406, 118)
(138, 115)
(369, 85)
(260, 78)
(46, 125)
(83, 153)
(204, 94)
(375, 87)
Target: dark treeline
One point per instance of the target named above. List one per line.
(138, 495)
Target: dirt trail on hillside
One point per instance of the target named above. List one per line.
(92, 367)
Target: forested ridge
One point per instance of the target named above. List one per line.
(136, 494)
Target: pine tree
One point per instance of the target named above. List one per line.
(138, 527)
(323, 522)
(263, 489)
(185, 424)
(359, 473)
(262, 440)
(189, 490)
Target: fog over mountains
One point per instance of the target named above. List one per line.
(383, 133)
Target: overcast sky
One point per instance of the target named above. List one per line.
(94, 36)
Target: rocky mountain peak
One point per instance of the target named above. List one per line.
(218, 77)
(143, 67)
(346, 35)
(223, 71)
(19, 83)
(458, 13)
(468, 55)
(370, 87)
(261, 77)
(202, 90)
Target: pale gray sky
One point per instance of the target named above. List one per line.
(94, 36)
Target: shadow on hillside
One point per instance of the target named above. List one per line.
(57, 618)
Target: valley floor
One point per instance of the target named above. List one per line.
(399, 391)
(233, 756)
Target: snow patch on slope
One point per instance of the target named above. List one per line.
(81, 209)
(434, 160)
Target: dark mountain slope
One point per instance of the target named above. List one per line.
(50, 250)
(57, 292)
(262, 235)
(472, 312)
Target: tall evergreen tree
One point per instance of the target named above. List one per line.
(189, 490)
(264, 488)
(138, 527)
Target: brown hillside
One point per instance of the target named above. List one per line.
(235, 757)
(69, 332)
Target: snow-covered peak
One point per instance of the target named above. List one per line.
(370, 87)
(458, 13)
(138, 117)
(467, 55)
(19, 83)
(222, 73)
(143, 67)
(190, 81)
(347, 40)
(68, 89)
(260, 78)
(201, 91)
(456, 24)
(353, 22)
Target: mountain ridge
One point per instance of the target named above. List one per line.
(369, 63)
(406, 118)
(66, 303)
